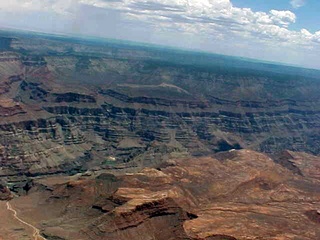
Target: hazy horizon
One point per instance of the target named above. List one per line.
(153, 45)
(284, 33)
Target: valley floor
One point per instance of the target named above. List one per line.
(11, 228)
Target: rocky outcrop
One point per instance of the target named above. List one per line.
(67, 107)
(232, 195)
(150, 217)
(5, 194)
(10, 109)
(295, 161)
(197, 132)
(74, 97)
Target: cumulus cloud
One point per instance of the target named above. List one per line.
(282, 17)
(297, 3)
(212, 19)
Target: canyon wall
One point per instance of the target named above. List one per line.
(67, 106)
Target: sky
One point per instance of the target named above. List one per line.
(286, 31)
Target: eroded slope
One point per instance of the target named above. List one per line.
(233, 195)
(68, 105)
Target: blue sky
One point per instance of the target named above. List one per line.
(307, 15)
(286, 31)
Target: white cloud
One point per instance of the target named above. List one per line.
(282, 17)
(297, 3)
(212, 16)
(63, 7)
(214, 20)
(306, 33)
(208, 17)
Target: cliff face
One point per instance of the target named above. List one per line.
(5, 194)
(232, 195)
(67, 106)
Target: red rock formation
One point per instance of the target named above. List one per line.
(233, 195)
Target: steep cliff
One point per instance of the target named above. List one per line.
(67, 106)
(232, 195)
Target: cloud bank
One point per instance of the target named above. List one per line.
(211, 20)
(212, 17)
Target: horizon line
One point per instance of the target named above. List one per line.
(154, 45)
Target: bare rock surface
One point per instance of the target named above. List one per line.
(233, 195)
(67, 106)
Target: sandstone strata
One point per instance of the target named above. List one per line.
(233, 195)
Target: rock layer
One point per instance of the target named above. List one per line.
(68, 106)
(232, 195)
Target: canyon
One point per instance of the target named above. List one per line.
(136, 106)
(238, 194)
(123, 140)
